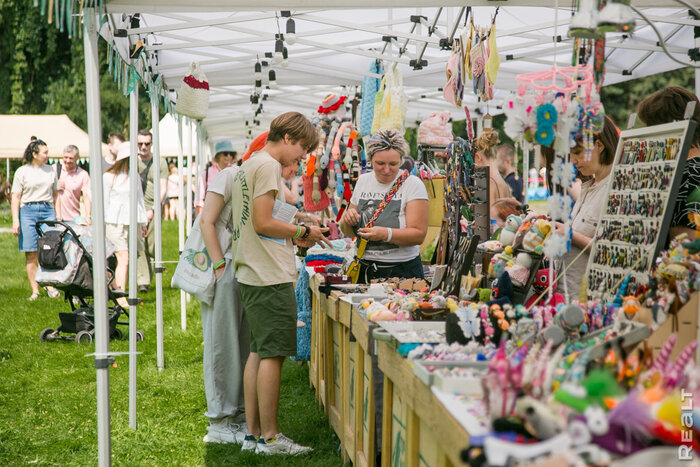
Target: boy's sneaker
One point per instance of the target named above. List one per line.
(249, 443)
(280, 444)
(226, 431)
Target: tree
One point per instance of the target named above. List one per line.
(44, 73)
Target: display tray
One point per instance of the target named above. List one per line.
(355, 287)
(418, 332)
(356, 298)
(425, 370)
(468, 410)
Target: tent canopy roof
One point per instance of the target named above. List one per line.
(58, 131)
(335, 44)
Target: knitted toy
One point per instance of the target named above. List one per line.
(502, 290)
(540, 285)
(513, 223)
(537, 232)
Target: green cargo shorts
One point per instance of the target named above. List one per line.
(271, 312)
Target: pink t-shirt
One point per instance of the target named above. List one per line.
(201, 189)
(74, 182)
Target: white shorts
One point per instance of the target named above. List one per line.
(119, 235)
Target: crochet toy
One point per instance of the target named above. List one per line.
(501, 290)
(540, 285)
(513, 223)
(537, 232)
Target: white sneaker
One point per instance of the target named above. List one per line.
(280, 444)
(226, 431)
(249, 443)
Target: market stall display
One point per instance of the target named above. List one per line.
(634, 223)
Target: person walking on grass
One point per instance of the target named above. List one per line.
(264, 265)
(34, 198)
(73, 182)
(147, 256)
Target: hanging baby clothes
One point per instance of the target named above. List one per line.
(370, 86)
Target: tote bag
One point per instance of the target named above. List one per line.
(194, 273)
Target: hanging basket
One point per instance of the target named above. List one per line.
(193, 96)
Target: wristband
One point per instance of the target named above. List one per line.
(389, 233)
(307, 231)
(296, 235)
(219, 264)
(15, 219)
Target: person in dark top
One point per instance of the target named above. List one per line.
(505, 155)
(665, 106)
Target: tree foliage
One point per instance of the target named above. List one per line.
(43, 72)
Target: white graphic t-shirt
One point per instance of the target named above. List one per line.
(367, 195)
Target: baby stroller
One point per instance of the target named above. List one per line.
(65, 262)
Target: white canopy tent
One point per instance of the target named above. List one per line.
(335, 45)
(57, 130)
(332, 52)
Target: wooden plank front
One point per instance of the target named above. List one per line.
(450, 435)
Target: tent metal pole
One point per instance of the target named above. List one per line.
(190, 172)
(99, 271)
(134, 234)
(526, 170)
(158, 266)
(181, 206)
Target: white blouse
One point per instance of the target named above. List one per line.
(117, 199)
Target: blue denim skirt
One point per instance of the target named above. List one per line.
(29, 215)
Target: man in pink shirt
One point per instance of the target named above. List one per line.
(224, 156)
(73, 182)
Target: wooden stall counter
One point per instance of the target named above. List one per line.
(417, 430)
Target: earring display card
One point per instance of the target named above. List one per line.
(633, 225)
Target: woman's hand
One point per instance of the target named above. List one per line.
(218, 273)
(350, 217)
(15, 227)
(374, 234)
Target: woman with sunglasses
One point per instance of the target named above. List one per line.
(34, 198)
(224, 157)
(394, 239)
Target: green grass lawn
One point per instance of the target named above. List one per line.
(48, 389)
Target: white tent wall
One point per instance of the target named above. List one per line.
(335, 46)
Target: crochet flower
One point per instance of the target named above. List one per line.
(546, 115)
(544, 134)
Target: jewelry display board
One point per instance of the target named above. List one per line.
(638, 211)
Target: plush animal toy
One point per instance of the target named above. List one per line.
(500, 262)
(502, 290)
(537, 233)
(540, 285)
(520, 271)
(513, 223)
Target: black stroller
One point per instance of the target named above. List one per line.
(65, 262)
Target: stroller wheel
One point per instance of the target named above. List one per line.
(117, 334)
(45, 335)
(140, 336)
(83, 337)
